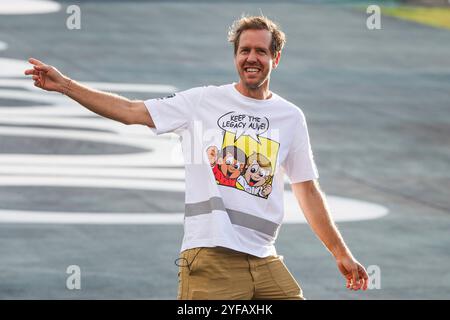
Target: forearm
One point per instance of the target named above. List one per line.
(104, 104)
(314, 206)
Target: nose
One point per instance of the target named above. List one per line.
(251, 56)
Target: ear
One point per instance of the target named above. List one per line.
(276, 60)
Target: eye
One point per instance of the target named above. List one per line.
(254, 168)
(262, 51)
(229, 160)
(237, 165)
(263, 173)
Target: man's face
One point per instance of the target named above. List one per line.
(254, 60)
(230, 167)
(255, 175)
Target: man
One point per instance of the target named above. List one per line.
(228, 248)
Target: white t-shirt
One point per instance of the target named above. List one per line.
(236, 150)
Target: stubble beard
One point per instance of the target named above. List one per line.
(253, 86)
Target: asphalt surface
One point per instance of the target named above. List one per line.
(377, 104)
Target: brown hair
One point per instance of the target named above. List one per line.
(257, 23)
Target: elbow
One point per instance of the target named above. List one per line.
(312, 188)
(307, 191)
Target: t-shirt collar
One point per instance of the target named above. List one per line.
(241, 96)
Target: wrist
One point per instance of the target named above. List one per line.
(341, 252)
(65, 85)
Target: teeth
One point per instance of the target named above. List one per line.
(252, 70)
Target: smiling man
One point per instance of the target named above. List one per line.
(228, 249)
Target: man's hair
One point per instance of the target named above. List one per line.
(257, 23)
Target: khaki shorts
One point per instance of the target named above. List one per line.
(223, 274)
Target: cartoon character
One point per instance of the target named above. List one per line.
(257, 178)
(227, 165)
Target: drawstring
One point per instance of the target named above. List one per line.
(188, 264)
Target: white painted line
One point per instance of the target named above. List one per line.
(105, 160)
(342, 209)
(89, 182)
(10, 216)
(13, 68)
(166, 151)
(17, 67)
(3, 46)
(14, 7)
(132, 87)
(109, 172)
(346, 210)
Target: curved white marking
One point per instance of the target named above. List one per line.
(13, 67)
(107, 171)
(132, 87)
(3, 45)
(148, 142)
(342, 209)
(10, 216)
(103, 172)
(28, 7)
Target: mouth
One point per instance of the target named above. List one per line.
(252, 70)
(252, 182)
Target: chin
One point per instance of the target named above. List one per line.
(253, 85)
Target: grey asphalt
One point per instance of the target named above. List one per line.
(377, 104)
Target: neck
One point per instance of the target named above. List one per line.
(260, 93)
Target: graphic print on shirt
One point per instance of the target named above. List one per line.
(245, 160)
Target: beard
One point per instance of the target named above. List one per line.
(253, 84)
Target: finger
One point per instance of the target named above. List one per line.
(43, 67)
(30, 71)
(365, 276)
(349, 282)
(355, 277)
(364, 286)
(35, 78)
(36, 62)
(359, 284)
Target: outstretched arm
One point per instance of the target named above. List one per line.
(105, 104)
(314, 206)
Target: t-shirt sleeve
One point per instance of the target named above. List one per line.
(174, 112)
(299, 164)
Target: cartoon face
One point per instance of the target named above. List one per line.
(230, 167)
(255, 175)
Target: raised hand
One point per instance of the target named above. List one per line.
(47, 77)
